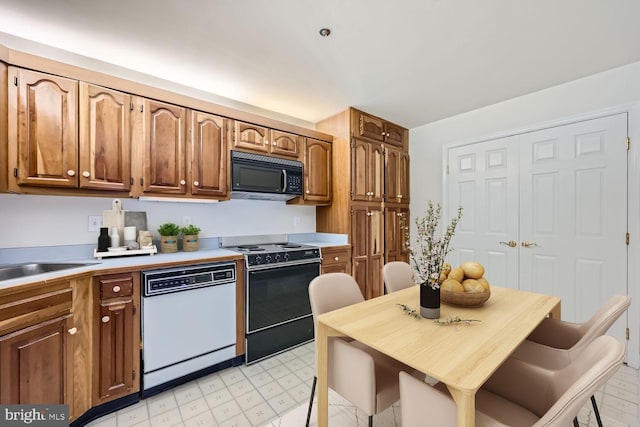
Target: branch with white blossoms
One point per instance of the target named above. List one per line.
(429, 252)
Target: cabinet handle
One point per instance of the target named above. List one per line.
(86, 174)
(73, 331)
(116, 288)
(105, 319)
(335, 258)
(183, 182)
(510, 243)
(196, 183)
(71, 172)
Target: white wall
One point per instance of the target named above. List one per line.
(30, 221)
(599, 91)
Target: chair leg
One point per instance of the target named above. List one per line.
(575, 422)
(595, 411)
(313, 390)
(370, 420)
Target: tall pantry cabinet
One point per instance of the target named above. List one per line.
(370, 204)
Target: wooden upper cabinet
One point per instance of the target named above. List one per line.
(367, 171)
(164, 160)
(396, 175)
(44, 114)
(105, 138)
(285, 143)
(251, 137)
(247, 136)
(208, 154)
(376, 129)
(317, 170)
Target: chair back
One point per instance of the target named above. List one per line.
(397, 275)
(571, 387)
(601, 321)
(331, 291)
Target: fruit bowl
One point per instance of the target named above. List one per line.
(464, 299)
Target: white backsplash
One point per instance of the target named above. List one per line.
(31, 221)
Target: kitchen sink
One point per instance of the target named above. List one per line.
(21, 270)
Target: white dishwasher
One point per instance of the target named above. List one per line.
(188, 321)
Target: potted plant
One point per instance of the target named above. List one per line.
(190, 238)
(169, 237)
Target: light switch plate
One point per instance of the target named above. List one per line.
(95, 222)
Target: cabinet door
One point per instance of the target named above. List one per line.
(251, 137)
(115, 352)
(208, 155)
(375, 179)
(359, 244)
(359, 170)
(164, 148)
(393, 135)
(47, 135)
(371, 127)
(105, 138)
(336, 260)
(396, 222)
(375, 284)
(396, 174)
(285, 144)
(317, 170)
(35, 367)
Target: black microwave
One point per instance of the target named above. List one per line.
(254, 176)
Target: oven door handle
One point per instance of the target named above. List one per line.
(283, 264)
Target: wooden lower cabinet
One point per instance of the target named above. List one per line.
(396, 224)
(35, 364)
(116, 361)
(336, 259)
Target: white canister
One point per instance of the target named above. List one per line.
(115, 237)
(129, 234)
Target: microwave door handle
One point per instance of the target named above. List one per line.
(284, 175)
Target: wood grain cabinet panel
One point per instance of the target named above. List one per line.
(367, 233)
(260, 139)
(105, 138)
(317, 171)
(164, 160)
(396, 224)
(35, 366)
(207, 158)
(114, 342)
(285, 143)
(336, 259)
(396, 179)
(367, 171)
(43, 113)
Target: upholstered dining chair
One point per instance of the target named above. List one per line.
(397, 275)
(518, 393)
(365, 377)
(554, 344)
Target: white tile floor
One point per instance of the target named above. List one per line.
(275, 393)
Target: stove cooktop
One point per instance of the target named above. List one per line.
(277, 253)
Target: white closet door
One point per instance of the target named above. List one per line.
(483, 179)
(573, 212)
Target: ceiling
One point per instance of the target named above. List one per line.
(409, 61)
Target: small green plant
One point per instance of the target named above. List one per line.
(169, 229)
(190, 230)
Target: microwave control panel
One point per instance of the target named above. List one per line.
(294, 183)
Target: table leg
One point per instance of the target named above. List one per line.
(556, 311)
(322, 373)
(466, 403)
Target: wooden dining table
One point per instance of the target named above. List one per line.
(462, 355)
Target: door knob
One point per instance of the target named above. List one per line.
(510, 243)
(526, 244)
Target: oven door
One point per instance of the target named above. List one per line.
(279, 294)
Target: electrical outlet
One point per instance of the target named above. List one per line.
(186, 220)
(296, 220)
(95, 222)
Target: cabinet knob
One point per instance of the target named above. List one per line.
(73, 331)
(116, 288)
(335, 258)
(105, 319)
(266, 142)
(274, 143)
(387, 135)
(183, 182)
(86, 174)
(71, 172)
(399, 196)
(196, 183)
(308, 191)
(383, 133)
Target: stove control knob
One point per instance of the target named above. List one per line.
(267, 259)
(286, 257)
(258, 259)
(277, 257)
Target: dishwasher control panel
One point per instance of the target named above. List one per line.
(178, 279)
